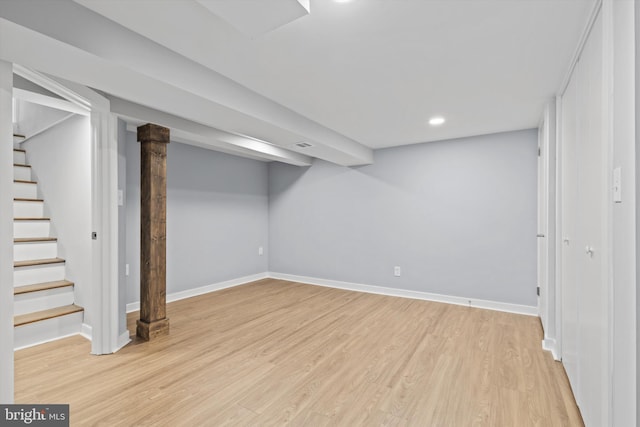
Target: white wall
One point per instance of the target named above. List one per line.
(33, 118)
(637, 168)
(624, 216)
(6, 230)
(458, 217)
(217, 217)
(61, 163)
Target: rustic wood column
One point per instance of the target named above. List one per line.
(153, 231)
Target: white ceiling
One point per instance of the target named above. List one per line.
(376, 70)
(347, 76)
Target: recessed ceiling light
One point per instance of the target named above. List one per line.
(436, 121)
(342, 1)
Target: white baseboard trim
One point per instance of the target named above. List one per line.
(123, 340)
(403, 293)
(550, 345)
(46, 341)
(86, 331)
(175, 296)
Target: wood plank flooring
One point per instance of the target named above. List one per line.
(277, 353)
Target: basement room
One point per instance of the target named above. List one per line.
(319, 212)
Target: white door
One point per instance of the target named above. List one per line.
(585, 275)
(593, 343)
(569, 209)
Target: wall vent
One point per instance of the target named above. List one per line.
(303, 145)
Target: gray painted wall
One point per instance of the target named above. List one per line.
(217, 217)
(458, 217)
(61, 163)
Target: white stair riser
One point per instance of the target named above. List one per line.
(31, 229)
(28, 209)
(38, 274)
(42, 300)
(22, 190)
(34, 250)
(19, 157)
(22, 173)
(47, 330)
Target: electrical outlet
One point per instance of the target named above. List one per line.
(260, 251)
(396, 271)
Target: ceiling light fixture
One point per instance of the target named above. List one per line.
(436, 121)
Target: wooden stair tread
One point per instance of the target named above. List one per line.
(22, 181)
(32, 262)
(21, 165)
(37, 316)
(19, 149)
(22, 199)
(34, 239)
(18, 290)
(42, 218)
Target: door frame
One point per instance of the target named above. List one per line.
(103, 304)
(547, 215)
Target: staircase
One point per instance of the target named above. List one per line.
(44, 308)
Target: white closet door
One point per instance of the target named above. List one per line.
(585, 283)
(593, 342)
(569, 209)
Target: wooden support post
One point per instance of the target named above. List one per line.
(153, 231)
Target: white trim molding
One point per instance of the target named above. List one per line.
(123, 340)
(50, 340)
(83, 106)
(597, 6)
(86, 331)
(104, 184)
(357, 287)
(404, 293)
(549, 344)
(176, 296)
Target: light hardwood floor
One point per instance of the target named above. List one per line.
(282, 353)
